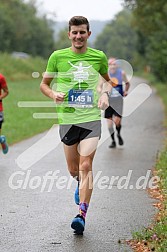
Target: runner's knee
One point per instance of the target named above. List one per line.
(86, 166)
(117, 121)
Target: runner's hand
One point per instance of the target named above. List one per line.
(125, 93)
(58, 97)
(103, 102)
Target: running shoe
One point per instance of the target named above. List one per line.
(78, 224)
(76, 195)
(120, 140)
(4, 144)
(112, 145)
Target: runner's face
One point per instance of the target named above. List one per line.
(113, 67)
(78, 36)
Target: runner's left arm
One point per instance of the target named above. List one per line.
(103, 102)
(127, 84)
(4, 88)
(4, 93)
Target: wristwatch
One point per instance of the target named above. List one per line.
(106, 93)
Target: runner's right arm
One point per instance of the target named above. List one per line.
(46, 90)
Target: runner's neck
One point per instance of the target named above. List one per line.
(79, 51)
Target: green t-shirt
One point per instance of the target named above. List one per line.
(77, 75)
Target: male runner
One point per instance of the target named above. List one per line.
(114, 112)
(3, 93)
(77, 72)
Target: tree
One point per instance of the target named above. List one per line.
(22, 30)
(63, 40)
(150, 18)
(119, 38)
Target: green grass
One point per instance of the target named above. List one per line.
(19, 122)
(155, 237)
(161, 90)
(20, 69)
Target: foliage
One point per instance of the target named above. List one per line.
(139, 36)
(19, 122)
(20, 69)
(150, 18)
(22, 30)
(63, 40)
(118, 38)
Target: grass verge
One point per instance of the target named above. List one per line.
(18, 69)
(19, 122)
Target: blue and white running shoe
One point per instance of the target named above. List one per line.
(4, 144)
(78, 224)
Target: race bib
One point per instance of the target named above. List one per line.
(80, 98)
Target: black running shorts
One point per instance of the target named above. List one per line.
(74, 133)
(115, 108)
(1, 119)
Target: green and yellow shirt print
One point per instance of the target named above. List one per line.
(77, 75)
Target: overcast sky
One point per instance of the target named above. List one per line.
(92, 9)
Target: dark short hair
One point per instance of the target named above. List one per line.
(78, 20)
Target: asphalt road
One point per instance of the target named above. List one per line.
(35, 220)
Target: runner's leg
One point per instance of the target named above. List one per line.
(3, 138)
(111, 130)
(117, 121)
(72, 159)
(87, 149)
